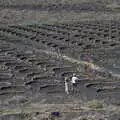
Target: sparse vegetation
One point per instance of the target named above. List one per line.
(96, 104)
(10, 92)
(43, 41)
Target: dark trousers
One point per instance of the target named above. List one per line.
(74, 85)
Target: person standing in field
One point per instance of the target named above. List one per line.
(66, 85)
(73, 81)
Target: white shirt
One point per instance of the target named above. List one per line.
(74, 79)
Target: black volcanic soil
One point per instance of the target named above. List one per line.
(35, 59)
(32, 62)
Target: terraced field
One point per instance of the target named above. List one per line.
(35, 59)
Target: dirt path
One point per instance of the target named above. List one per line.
(38, 111)
(80, 62)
